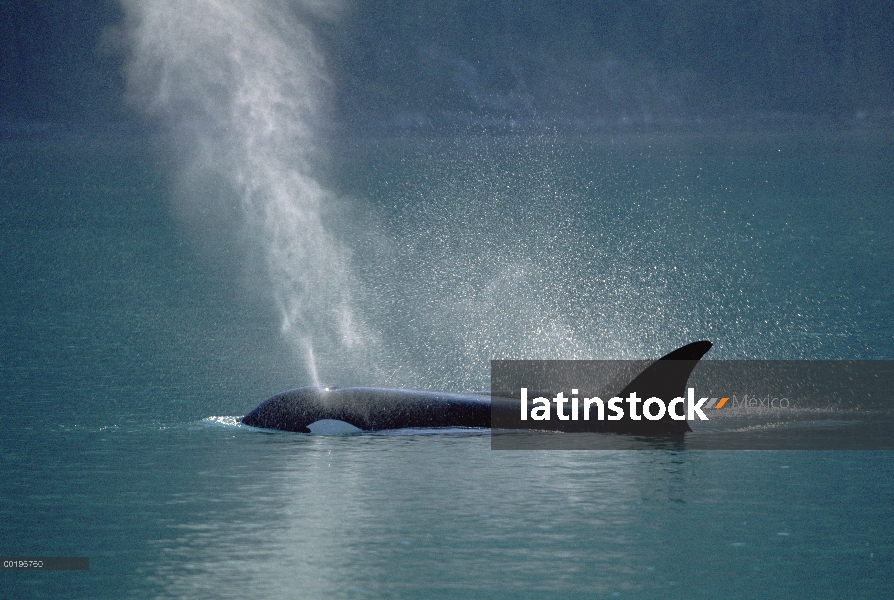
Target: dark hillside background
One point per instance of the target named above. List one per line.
(419, 64)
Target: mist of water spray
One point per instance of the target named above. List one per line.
(241, 87)
(482, 262)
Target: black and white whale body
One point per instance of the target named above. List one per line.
(354, 409)
(368, 409)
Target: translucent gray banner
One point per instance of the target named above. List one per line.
(706, 405)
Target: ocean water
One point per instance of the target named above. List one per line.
(135, 329)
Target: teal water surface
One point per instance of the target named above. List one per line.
(209, 511)
(124, 330)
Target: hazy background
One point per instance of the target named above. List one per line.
(434, 65)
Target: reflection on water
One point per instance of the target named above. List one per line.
(364, 514)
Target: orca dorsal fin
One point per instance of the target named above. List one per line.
(693, 351)
(666, 378)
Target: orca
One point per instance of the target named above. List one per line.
(359, 409)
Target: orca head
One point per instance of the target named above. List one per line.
(292, 410)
